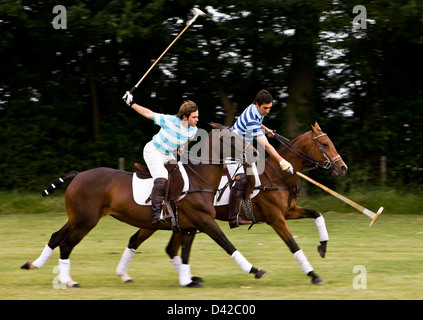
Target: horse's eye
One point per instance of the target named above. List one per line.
(325, 145)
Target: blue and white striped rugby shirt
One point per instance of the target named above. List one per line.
(248, 124)
(172, 133)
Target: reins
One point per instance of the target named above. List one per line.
(286, 143)
(327, 164)
(220, 161)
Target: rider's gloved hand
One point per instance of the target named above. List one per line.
(286, 166)
(128, 98)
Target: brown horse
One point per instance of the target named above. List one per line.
(96, 193)
(276, 202)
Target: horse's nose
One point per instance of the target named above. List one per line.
(344, 169)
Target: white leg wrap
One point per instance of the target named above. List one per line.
(64, 271)
(176, 261)
(321, 227)
(42, 259)
(303, 262)
(125, 260)
(241, 261)
(185, 275)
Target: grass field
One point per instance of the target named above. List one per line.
(391, 253)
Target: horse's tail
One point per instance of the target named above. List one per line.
(64, 177)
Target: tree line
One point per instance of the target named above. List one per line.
(357, 72)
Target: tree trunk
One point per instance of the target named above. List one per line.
(230, 108)
(300, 91)
(94, 99)
(300, 110)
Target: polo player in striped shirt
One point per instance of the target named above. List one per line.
(249, 126)
(175, 132)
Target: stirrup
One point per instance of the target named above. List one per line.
(159, 218)
(238, 222)
(164, 218)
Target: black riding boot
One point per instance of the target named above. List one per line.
(157, 198)
(235, 197)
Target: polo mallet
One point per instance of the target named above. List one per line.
(367, 212)
(197, 12)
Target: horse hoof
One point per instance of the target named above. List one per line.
(317, 280)
(322, 249)
(194, 285)
(197, 279)
(260, 273)
(126, 278)
(28, 265)
(73, 284)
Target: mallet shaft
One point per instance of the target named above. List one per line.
(197, 13)
(353, 204)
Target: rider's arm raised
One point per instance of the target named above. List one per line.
(145, 112)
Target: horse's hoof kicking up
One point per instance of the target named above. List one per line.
(28, 265)
(322, 249)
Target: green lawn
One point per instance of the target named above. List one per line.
(390, 251)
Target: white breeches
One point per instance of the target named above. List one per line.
(155, 160)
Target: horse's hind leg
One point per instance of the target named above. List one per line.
(67, 238)
(134, 242)
(212, 229)
(299, 213)
(76, 232)
(54, 241)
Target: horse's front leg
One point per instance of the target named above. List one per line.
(300, 213)
(280, 226)
(209, 226)
(184, 240)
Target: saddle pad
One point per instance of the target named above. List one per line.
(224, 200)
(141, 188)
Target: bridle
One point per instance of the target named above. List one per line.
(328, 163)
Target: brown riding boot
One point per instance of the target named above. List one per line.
(157, 198)
(235, 197)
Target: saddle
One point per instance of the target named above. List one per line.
(175, 184)
(176, 189)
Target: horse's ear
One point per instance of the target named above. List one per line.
(315, 129)
(316, 125)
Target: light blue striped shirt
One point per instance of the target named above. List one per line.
(172, 133)
(248, 124)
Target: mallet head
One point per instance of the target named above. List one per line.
(376, 216)
(199, 12)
